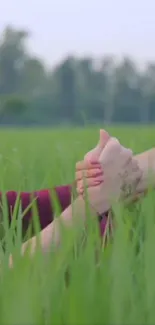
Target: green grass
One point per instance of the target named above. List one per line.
(81, 283)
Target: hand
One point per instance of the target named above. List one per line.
(88, 175)
(89, 171)
(118, 165)
(94, 154)
(91, 174)
(131, 180)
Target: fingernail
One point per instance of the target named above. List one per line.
(98, 182)
(95, 162)
(99, 172)
(99, 179)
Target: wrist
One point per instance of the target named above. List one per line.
(98, 203)
(80, 207)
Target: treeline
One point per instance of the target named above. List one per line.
(75, 91)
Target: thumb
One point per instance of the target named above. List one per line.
(104, 138)
(110, 153)
(94, 154)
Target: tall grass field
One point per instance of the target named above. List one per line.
(82, 282)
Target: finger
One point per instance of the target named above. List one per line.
(83, 165)
(133, 178)
(94, 154)
(81, 185)
(126, 156)
(131, 174)
(111, 151)
(130, 184)
(81, 190)
(126, 153)
(135, 165)
(136, 177)
(134, 173)
(90, 182)
(104, 138)
(88, 173)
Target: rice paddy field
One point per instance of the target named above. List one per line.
(82, 282)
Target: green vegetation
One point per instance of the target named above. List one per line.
(80, 283)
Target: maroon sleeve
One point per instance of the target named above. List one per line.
(44, 204)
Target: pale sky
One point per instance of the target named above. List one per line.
(83, 27)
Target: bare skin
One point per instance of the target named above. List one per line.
(93, 173)
(100, 196)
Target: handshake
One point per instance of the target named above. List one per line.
(110, 172)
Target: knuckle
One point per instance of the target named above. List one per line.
(130, 153)
(127, 154)
(116, 144)
(89, 173)
(77, 165)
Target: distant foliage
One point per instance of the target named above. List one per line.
(76, 91)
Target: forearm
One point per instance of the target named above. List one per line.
(76, 212)
(43, 200)
(146, 162)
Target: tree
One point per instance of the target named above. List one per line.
(148, 91)
(127, 93)
(12, 58)
(65, 78)
(108, 71)
(74, 91)
(33, 77)
(12, 109)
